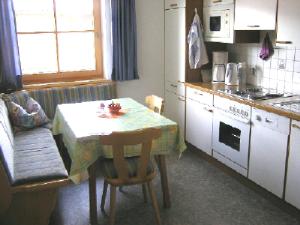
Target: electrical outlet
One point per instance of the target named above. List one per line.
(281, 64)
(253, 70)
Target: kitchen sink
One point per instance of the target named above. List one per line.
(290, 105)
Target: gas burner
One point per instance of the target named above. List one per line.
(253, 93)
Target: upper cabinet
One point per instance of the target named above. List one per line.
(288, 23)
(256, 14)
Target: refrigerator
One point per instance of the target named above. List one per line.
(175, 38)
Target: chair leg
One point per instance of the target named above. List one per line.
(112, 205)
(154, 203)
(103, 196)
(144, 188)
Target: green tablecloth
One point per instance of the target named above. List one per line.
(81, 124)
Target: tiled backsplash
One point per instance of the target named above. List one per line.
(281, 72)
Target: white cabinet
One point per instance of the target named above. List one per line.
(255, 14)
(292, 194)
(288, 22)
(169, 4)
(199, 118)
(175, 61)
(268, 150)
(175, 109)
(175, 45)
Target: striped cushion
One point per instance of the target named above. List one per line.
(50, 98)
(110, 171)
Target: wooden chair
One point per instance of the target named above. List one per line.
(155, 103)
(121, 171)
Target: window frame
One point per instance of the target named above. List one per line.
(74, 75)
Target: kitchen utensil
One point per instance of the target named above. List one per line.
(219, 73)
(231, 75)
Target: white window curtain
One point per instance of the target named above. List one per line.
(107, 37)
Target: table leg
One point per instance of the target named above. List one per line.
(93, 194)
(161, 160)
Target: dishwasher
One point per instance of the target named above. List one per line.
(268, 150)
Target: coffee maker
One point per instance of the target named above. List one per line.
(220, 60)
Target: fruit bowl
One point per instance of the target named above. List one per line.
(114, 108)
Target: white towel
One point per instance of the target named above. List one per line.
(197, 49)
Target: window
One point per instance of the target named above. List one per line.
(59, 40)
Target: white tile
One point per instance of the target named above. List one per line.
(297, 67)
(280, 86)
(273, 74)
(297, 56)
(296, 77)
(290, 54)
(296, 88)
(265, 83)
(267, 64)
(273, 84)
(281, 75)
(289, 76)
(274, 63)
(276, 53)
(282, 54)
(266, 73)
(289, 65)
(288, 87)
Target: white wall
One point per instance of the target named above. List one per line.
(150, 52)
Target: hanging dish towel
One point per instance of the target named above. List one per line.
(267, 49)
(197, 50)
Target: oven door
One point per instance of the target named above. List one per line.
(231, 138)
(217, 23)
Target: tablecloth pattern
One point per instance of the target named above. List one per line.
(81, 124)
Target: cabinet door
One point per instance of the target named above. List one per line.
(288, 22)
(175, 45)
(268, 150)
(199, 120)
(175, 109)
(170, 4)
(292, 194)
(255, 14)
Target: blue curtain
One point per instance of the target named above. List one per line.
(10, 68)
(124, 40)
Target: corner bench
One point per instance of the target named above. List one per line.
(31, 167)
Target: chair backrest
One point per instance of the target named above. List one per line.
(120, 139)
(155, 103)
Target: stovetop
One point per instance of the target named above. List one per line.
(254, 93)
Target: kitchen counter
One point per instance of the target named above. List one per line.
(260, 104)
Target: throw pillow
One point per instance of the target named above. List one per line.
(33, 116)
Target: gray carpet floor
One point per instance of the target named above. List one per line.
(201, 194)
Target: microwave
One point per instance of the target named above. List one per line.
(218, 22)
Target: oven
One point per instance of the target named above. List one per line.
(231, 134)
(218, 21)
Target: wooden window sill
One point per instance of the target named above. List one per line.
(65, 84)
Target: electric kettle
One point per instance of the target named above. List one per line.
(231, 75)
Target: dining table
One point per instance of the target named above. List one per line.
(81, 124)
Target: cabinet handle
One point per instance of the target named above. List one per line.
(296, 126)
(284, 42)
(173, 85)
(253, 26)
(198, 93)
(173, 5)
(208, 110)
(216, 1)
(181, 99)
(268, 121)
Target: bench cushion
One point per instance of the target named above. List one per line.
(35, 157)
(4, 119)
